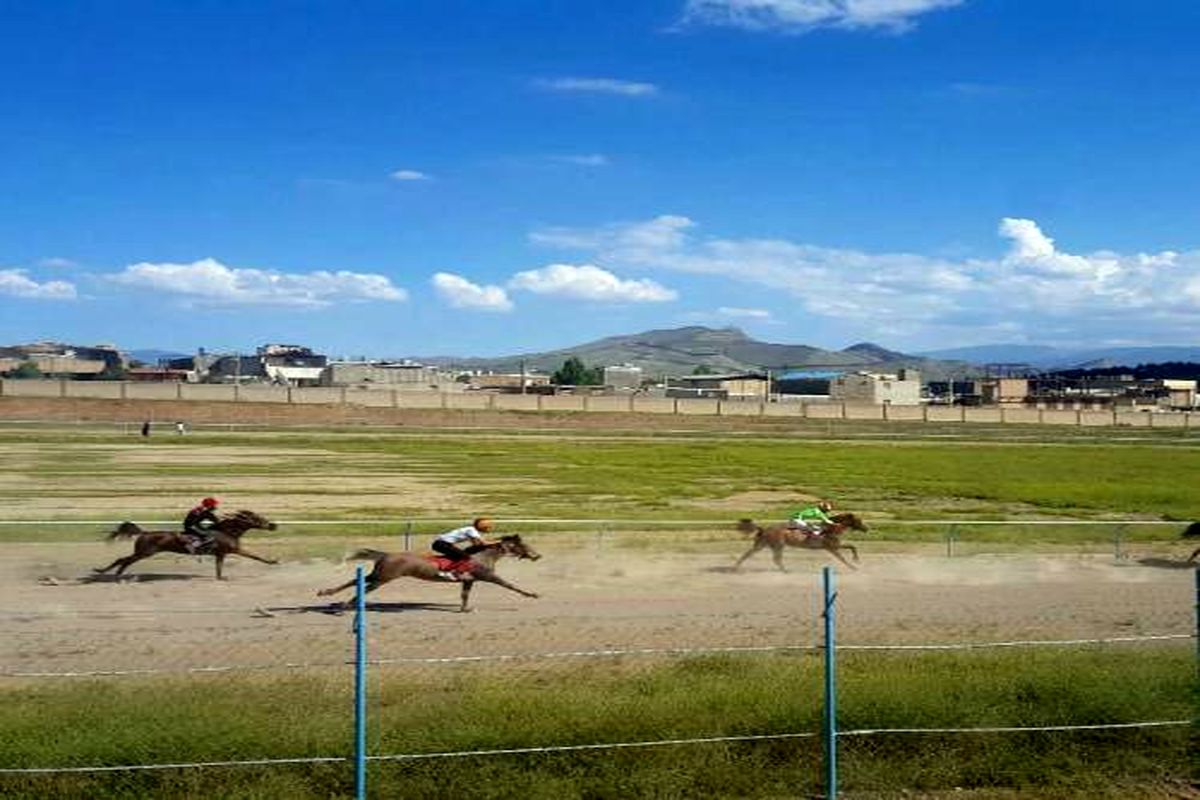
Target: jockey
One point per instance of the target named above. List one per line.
(199, 523)
(812, 519)
(472, 535)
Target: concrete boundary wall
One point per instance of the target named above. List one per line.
(339, 402)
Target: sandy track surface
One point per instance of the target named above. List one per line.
(170, 614)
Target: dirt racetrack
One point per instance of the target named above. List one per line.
(170, 615)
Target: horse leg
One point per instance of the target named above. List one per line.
(853, 550)
(1194, 556)
(99, 571)
(465, 595)
(833, 551)
(336, 589)
(220, 563)
(777, 556)
(496, 579)
(754, 548)
(252, 556)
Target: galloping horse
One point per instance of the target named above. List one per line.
(1191, 532)
(481, 567)
(777, 536)
(226, 541)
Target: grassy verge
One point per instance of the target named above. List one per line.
(626, 700)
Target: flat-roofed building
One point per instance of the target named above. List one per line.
(741, 386)
(623, 376)
(902, 389)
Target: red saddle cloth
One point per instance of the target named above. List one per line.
(466, 567)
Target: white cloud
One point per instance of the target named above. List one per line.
(461, 293)
(212, 282)
(598, 86)
(57, 263)
(588, 282)
(800, 16)
(1034, 287)
(409, 175)
(17, 283)
(587, 160)
(744, 313)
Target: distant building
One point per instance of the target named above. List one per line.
(1002, 391)
(385, 374)
(508, 382)
(624, 376)
(56, 359)
(743, 386)
(902, 389)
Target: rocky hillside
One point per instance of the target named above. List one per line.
(679, 351)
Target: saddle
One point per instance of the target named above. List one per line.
(197, 544)
(451, 568)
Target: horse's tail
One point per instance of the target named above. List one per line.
(368, 554)
(1192, 531)
(124, 529)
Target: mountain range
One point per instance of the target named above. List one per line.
(679, 351)
(1051, 358)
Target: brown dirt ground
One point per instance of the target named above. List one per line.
(169, 614)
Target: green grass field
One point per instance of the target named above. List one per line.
(472, 708)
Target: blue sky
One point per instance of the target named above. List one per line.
(453, 177)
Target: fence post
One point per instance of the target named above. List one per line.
(360, 687)
(831, 788)
(951, 536)
(408, 536)
(1117, 535)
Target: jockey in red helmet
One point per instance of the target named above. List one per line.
(199, 523)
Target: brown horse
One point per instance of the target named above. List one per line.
(389, 566)
(227, 535)
(778, 536)
(1191, 532)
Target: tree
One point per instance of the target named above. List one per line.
(573, 372)
(704, 369)
(26, 369)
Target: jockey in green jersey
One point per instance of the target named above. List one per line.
(812, 519)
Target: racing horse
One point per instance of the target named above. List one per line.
(480, 567)
(1192, 532)
(778, 536)
(227, 535)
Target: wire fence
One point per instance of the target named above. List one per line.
(646, 653)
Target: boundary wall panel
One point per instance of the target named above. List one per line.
(563, 402)
(517, 402)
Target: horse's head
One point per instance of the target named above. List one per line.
(851, 521)
(239, 522)
(746, 526)
(513, 545)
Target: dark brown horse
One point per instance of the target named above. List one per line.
(227, 535)
(389, 566)
(778, 536)
(1191, 532)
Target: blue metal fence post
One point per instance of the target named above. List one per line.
(831, 787)
(360, 687)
